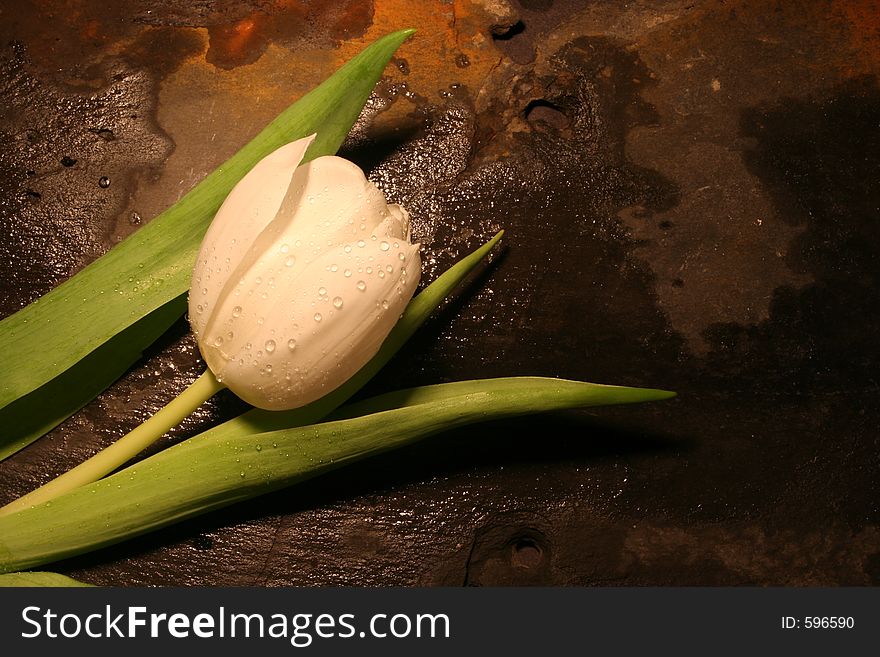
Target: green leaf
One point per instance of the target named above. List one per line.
(209, 472)
(40, 579)
(152, 268)
(28, 418)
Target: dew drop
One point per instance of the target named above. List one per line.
(291, 344)
(361, 286)
(270, 346)
(347, 248)
(285, 248)
(236, 311)
(322, 291)
(268, 369)
(334, 267)
(384, 246)
(389, 269)
(289, 261)
(218, 341)
(361, 243)
(318, 317)
(347, 273)
(400, 256)
(337, 302)
(385, 304)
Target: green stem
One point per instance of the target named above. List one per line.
(124, 449)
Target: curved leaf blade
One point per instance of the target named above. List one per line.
(207, 472)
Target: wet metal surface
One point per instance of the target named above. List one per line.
(690, 193)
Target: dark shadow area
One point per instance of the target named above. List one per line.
(371, 152)
(820, 160)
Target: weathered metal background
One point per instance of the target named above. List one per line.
(691, 191)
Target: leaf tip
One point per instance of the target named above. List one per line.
(654, 394)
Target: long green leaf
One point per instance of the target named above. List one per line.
(207, 472)
(40, 579)
(153, 266)
(28, 418)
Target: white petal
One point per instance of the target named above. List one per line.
(333, 201)
(304, 335)
(318, 269)
(251, 205)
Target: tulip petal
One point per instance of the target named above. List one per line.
(301, 336)
(250, 207)
(314, 294)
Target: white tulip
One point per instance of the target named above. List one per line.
(300, 277)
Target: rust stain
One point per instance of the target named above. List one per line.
(863, 25)
(293, 23)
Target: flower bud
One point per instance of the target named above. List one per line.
(301, 276)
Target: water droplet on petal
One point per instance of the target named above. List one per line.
(347, 273)
(337, 302)
(289, 261)
(291, 344)
(361, 243)
(322, 291)
(318, 317)
(361, 286)
(334, 267)
(218, 341)
(236, 312)
(270, 346)
(285, 248)
(384, 246)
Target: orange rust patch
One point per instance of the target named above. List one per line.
(288, 22)
(863, 22)
(446, 33)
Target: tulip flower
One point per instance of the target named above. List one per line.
(300, 277)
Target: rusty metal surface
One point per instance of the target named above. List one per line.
(691, 191)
